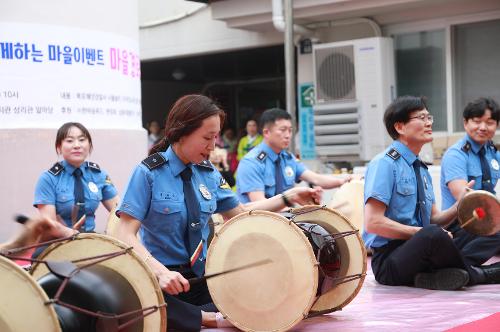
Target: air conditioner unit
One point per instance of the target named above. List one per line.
(354, 83)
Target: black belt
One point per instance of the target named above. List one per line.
(178, 267)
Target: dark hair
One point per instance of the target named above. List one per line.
(63, 132)
(272, 115)
(478, 107)
(185, 116)
(399, 111)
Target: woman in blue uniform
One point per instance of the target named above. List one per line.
(170, 198)
(73, 187)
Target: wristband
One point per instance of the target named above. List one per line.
(286, 201)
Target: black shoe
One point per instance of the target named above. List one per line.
(491, 273)
(444, 279)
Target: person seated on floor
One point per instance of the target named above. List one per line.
(403, 226)
(473, 157)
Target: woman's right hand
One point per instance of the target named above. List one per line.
(172, 282)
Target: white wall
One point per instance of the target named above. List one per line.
(198, 34)
(26, 153)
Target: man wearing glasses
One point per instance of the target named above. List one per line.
(402, 223)
(474, 157)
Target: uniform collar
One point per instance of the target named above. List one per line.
(475, 147)
(176, 165)
(70, 168)
(405, 152)
(273, 155)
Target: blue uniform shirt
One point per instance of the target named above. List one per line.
(256, 171)
(390, 179)
(155, 197)
(56, 187)
(461, 161)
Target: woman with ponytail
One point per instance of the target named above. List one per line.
(170, 198)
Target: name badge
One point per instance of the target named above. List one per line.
(494, 164)
(205, 192)
(93, 187)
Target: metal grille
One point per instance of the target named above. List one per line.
(335, 74)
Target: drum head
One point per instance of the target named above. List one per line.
(270, 297)
(22, 297)
(130, 266)
(352, 252)
(488, 203)
(349, 200)
(112, 223)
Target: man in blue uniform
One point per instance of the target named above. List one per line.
(402, 224)
(474, 157)
(269, 169)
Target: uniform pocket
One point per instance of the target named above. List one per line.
(406, 188)
(165, 216)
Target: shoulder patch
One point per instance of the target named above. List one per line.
(93, 166)
(154, 161)
(224, 184)
(108, 180)
(466, 147)
(261, 156)
(205, 164)
(394, 154)
(56, 169)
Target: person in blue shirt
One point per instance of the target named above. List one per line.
(462, 163)
(257, 177)
(73, 188)
(403, 226)
(169, 199)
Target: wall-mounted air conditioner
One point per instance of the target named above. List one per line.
(354, 83)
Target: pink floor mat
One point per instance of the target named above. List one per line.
(385, 308)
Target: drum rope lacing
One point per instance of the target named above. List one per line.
(67, 269)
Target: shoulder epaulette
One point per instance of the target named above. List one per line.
(56, 169)
(93, 166)
(206, 165)
(466, 147)
(154, 161)
(261, 156)
(394, 154)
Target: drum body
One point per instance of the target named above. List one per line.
(22, 296)
(486, 205)
(278, 295)
(352, 256)
(123, 282)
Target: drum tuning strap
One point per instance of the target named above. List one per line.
(11, 253)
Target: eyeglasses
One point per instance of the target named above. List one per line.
(424, 117)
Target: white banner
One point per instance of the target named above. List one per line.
(55, 74)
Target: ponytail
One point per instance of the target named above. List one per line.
(161, 146)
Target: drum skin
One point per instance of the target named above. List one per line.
(21, 296)
(270, 297)
(130, 266)
(490, 223)
(349, 200)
